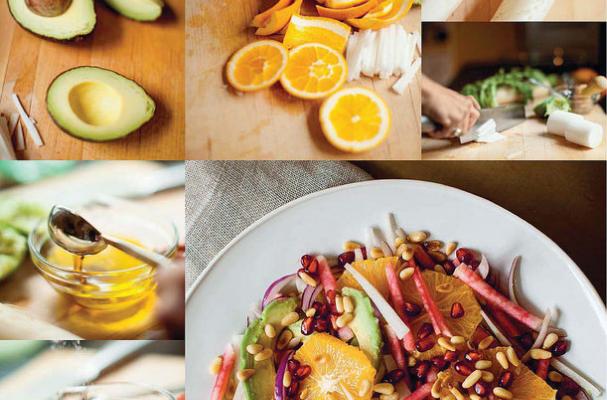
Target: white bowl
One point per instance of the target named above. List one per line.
(319, 223)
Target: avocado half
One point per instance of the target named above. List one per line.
(139, 10)
(77, 20)
(96, 104)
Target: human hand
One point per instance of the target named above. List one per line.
(170, 306)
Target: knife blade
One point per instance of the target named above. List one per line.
(505, 117)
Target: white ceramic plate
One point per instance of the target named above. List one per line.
(321, 222)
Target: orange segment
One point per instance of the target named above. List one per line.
(373, 270)
(355, 119)
(260, 19)
(338, 369)
(317, 30)
(314, 71)
(279, 19)
(342, 3)
(400, 8)
(257, 65)
(346, 13)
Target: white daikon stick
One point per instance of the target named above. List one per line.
(353, 56)
(6, 145)
(29, 125)
(523, 10)
(439, 10)
(369, 52)
(384, 53)
(402, 83)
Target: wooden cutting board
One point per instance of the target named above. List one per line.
(563, 10)
(269, 124)
(528, 141)
(149, 53)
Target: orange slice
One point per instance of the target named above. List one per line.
(342, 3)
(373, 270)
(314, 71)
(256, 66)
(260, 19)
(326, 31)
(346, 13)
(338, 369)
(381, 10)
(279, 19)
(355, 119)
(399, 10)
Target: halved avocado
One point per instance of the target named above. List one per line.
(139, 10)
(365, 325)
(78, 19)
(97, 104)
(13, 248)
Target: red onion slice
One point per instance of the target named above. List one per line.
(279, 389)
(345, 334)
(275, 287)
(498, 334)
(512, 279)
(586, 384)
(541, 335)
(309, 296)
(483, 267)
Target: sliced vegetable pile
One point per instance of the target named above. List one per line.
(411, 319)
(310, 62)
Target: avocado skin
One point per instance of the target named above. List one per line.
(76, 38)
(92, 140)
(132, 17)
(365, 325)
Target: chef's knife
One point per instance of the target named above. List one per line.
(505, 117)
(47, 386)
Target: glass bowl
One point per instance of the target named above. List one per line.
(115, 391)
(113, 288)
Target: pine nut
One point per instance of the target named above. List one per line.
(383, 388)
(483, 364)
(310, 312)
(407, 254)
(215, 366)
(438, 256)
(487, 376)
(401, 249)
(365, 385)
(294, 342)
(245, 374)
(458, 395)
(304, 394)
(284, 339)
(555, 376)
(512, 357)
(308, 280)
(417, 236)
(433, 245)
(435, 391)
(254, 348)
(539, 354)
(263, 355)
(502, 393)
(502, 359)
(350, 245)
(393, 396)
(289, 319)
(348, 305)
(485, 343)
(376, 252)
(457, 340)
(406, 273)
(439, 268)
(450, 248)
(270, 331)
(444, 343)
(339, 304)
(550, 340)
(286, 378)
(343, 320)
(411, 361)
(472, 379)
(449, 397)
(398, 241)
(475, 396)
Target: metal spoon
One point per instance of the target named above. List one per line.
(76, 235)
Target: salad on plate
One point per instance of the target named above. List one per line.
(405, 316)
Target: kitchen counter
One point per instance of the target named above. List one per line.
(563, 10)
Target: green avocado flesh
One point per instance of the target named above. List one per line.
(139, 10)
(261, 385)
(365, 325)
(78, 20)
(13, 247)
(97, 104)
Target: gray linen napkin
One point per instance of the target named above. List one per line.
(222, 198)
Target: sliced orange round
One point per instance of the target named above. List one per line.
(355, 119)
(373, 270)
(346, 13)
(326, 31)
(314, 71)
(338, 369)
(256, 66)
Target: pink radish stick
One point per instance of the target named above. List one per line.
(504, 321)
(495, 298)
(397, 352)
(327, 280)
(542, 368)
(438, 322)
(223, 378)
(421, 393)
(398, 303)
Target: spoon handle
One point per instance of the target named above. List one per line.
(147, 256)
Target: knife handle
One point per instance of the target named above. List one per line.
(111, 354)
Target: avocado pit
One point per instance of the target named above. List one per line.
(95, 103)
(48, 8)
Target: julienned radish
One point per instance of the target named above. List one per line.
(439, 10)
(523, 10)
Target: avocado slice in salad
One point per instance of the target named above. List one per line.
(365, 325)
(21, 215)
(13, 247)
(261, 385)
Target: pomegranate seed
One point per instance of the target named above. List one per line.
(322, 325)
(330, 296)
(457, 310)
(526, 340)
(481, 388)
(467, 256)
(463, 368)
(292, 365)
(345, 258)
(312, 268)
(303, 371)
(449, 267)
(412, 309)
(364, 251)
(505, 379)
(473, 356)
(293, 389)
(451, 356)
(568, 387)
(394, 376)
(422, 369)
(440, 363)
(425, 330)
(424, 344)
(560, 348)
(306, 259)
(308, 325)
(321, 309)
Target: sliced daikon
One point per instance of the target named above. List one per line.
(29, 125)
(439, 10)
(370, 53)
(383, 64)
(523, 10)
(354, 56)
(6, 145)
(402, 83)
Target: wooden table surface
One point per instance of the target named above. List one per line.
(149, 53)
(28, 290)
(527, 141)
(563, 10)
(269, 124)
